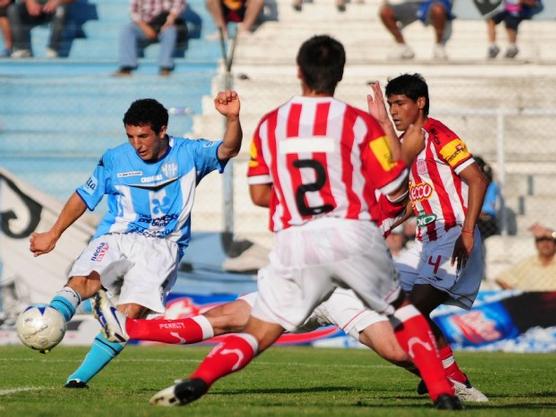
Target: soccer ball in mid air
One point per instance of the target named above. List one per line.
(40, 327)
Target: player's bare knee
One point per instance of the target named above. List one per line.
(437, 12)
(386, 14)
(86, 287)
(133, 311)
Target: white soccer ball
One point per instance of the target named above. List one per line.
(40, 327)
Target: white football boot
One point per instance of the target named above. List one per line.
(110, 319)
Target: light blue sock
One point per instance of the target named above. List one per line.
(101, 353)
(66, 301)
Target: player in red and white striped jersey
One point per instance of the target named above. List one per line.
(317, 163)
(324, 158)
(446, 190)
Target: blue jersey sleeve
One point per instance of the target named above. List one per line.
(206, 157)
(94, 188)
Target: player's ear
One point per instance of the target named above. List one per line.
(421, 103)
(162, 132)
(299, 74)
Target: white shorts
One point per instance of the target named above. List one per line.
(343, 309)
(434, 268)
(147, 265)
(308, 262)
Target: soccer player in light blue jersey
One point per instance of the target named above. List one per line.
(150, 186)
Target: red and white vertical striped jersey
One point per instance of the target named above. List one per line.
(437, 193)
(323, 157)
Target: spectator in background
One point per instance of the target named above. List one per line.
(5, 29)
(513, 13)
(487, 223)
(26, 14)
(151, 21)
(434, 12)
(536, 273)
(243, 12)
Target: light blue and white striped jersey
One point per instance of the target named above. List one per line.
(151, 198)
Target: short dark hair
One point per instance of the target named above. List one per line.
(321, 60)
(146, 111)
(410, 85)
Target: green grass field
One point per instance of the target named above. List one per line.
(282, 382)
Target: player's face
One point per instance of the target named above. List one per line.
(404, 111)
(149, 145)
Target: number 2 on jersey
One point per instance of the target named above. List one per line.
(320, 181)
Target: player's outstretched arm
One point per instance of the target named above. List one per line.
(227, 103)
(41, 243)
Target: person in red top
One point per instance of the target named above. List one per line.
(446, 190)
(317, 163)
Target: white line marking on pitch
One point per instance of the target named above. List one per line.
(16, 390)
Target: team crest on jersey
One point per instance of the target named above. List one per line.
(170, 170)
(419, 192)
(421, 166)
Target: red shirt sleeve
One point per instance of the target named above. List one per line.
(449, 147)
(383, 172)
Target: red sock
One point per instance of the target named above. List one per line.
(183, 331)
(450, 365)
(234, 353)
(415, 337)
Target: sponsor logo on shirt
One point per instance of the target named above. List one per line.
(170, 169)
(91, 185)
(99, 252)
(129, 174)
(158, 221)
(423, 219)
(152, 178)
(419, 192)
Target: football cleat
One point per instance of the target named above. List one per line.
(182, 393)
(110, 319)
(75, 383)
(467, 392)
(448, 402)
(464, 391)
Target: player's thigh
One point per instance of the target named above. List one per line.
(153, 273)
(287, 296)
(407, 266)
(347, 312)
(371, 276)
(436, 269)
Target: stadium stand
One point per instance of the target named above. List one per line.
(50, 109)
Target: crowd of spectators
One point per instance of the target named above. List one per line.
(161, 21)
